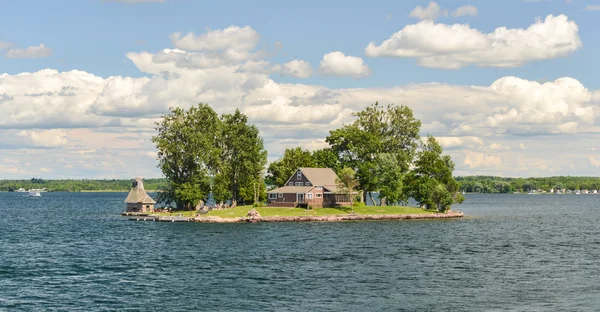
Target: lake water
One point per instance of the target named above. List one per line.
(72, 251)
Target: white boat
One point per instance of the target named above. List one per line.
(34, 194)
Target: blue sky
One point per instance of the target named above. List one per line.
(493, 118)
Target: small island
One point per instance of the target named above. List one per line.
(216, 165)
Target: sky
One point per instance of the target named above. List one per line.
(509, 88)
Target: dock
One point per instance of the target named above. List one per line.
(155, 218)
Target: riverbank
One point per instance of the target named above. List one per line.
(329, 218)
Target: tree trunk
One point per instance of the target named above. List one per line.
(372, 200)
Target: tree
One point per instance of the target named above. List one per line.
(432, 169)
(243, 157)
(390, 174)
(377, 130)
(326, 158)
(187, 153)
(347, 183)
(281, 170)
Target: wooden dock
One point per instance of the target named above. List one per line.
(160, 218)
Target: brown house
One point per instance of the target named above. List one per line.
(314, 187)
(138, 200)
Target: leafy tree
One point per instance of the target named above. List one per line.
(326, 158)
(392, 130)
(347, 184)
(281, 170)
(243, 157)
(390, 174)
(431, 170)
(187, 153)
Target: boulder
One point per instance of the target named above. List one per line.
(253, 214)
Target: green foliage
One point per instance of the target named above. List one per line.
(431, 183)
(281, 170)
(188, 153)
(79, 185)
(326, 158)
(347, 183)
(243, 156)
(377, 130)
(491, 184)
(198, 150)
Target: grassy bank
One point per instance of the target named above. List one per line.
(241, 211)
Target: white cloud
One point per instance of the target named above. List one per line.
(337, 64)
(465, 10)
(458, 45)
(5, 45)
(430, 13)
(29, 52)
(232, 40)
(8, 169)
(450, 142)
(594, 161)
(46, 170)
(476, 159)
(592, 7)
(296, 68)
(45, 138)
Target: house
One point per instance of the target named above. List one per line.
(314, 187)
(137, 200)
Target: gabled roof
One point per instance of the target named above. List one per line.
(291, 189)
(325, 177)
(137, 194)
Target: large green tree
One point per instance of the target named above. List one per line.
(377, 130)
(430, 182)
(327, 158)
(281, 170)
(243, 157)
(188, 153)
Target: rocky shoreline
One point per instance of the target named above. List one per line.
(254, 217)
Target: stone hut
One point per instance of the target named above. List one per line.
(137, 200)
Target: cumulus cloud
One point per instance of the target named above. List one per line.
(233, 40)
(430, 13)
(87, 116)
(465, 10)
(296, 68)
(338, 64)
(458, 45)
(476, 160)
(38, 51)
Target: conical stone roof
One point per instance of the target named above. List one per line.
(137, 194)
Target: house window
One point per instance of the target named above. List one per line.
(272, 195)
(291, 183)
(307, 183)
(319, 195)
(280, 195)
(309, 195)
(299, 175)
(299, 183)
(319, 188)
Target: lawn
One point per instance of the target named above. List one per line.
(241, 211)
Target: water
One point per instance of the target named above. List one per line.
(72, 251)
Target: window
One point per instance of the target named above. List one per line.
(319, 188)
(309, 195)
(307, 183)
(299, 175)
(319, 195)
(272, 195)
(291, 183)
(299, 183)
(280, 195)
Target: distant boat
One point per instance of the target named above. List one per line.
(35, 194)
(463, 192)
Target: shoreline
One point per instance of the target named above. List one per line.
(327, 218)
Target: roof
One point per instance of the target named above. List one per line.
(137, 194)
(320, 176)
(291, 189)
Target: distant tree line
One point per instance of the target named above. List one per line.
(492, 184)
(79, 185)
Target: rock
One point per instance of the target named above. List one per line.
(253, 214)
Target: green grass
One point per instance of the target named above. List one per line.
(241, 211)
